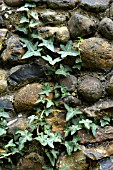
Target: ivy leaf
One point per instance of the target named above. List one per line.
(32, 49)
(34, 14)
(2, 131)
(50, 60)
(67, 50)
(49, 103)
(22, 29)
(78, 66)
(71, 112)
(33, 23)
(10, 144)
(24, 19)
(3, 114)
(94, 127)
(78, 60)
(63, 70)
(29, 54)
(48, 44)
(86, 122)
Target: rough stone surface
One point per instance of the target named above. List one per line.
(31, 161)
(57, 121)
(97, 53)
(52, 17)
(70, 82)
(25, 73)
(109, 87)
(90, 88)
(75, 161)
(103, 150)
(100, 109)
(62, 35)
(14, 50)
(62, 4)
(3, 81)
(80, 26)
(106, 28)
(95, 6)
(102, 134)
(14, 3)
(20, 123)
(26, 97)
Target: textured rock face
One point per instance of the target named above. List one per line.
(14, 3)
(26, 97)
(80, 25)
(106, 28)
(76, 161)
(90, 88)
(70, 82)
(100, 151)
(95, 6)
(97, 53)
(62, 4)
(25, 73)
(102, 134)
(14, 50)
(31, 161)
(100, 109)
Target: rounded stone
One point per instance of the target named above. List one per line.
(97, 53)
(14, 3)
(90, 88)
(106, 28)
(80, 26)
(25, 99)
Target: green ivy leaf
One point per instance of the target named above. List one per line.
(63, 70)
(48, 44)
(24, 19)
(71, 112)
(86, 122)
(50, 60)
(67, 50)
(2, 131)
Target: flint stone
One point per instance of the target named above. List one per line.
(100, 109)
(75, 161)
(90, 88)
(106, 28)
(14, 50)
(97, 53)
(62, 4)
(6, 104)
(80, 26)
(105, 164)
(25, 73)
(102, 134)
(101, 151)
(95, 6)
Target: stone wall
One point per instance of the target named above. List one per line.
(91, 88)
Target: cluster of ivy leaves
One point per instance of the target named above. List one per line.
(37, 46)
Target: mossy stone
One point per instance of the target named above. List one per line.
(14, 3)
